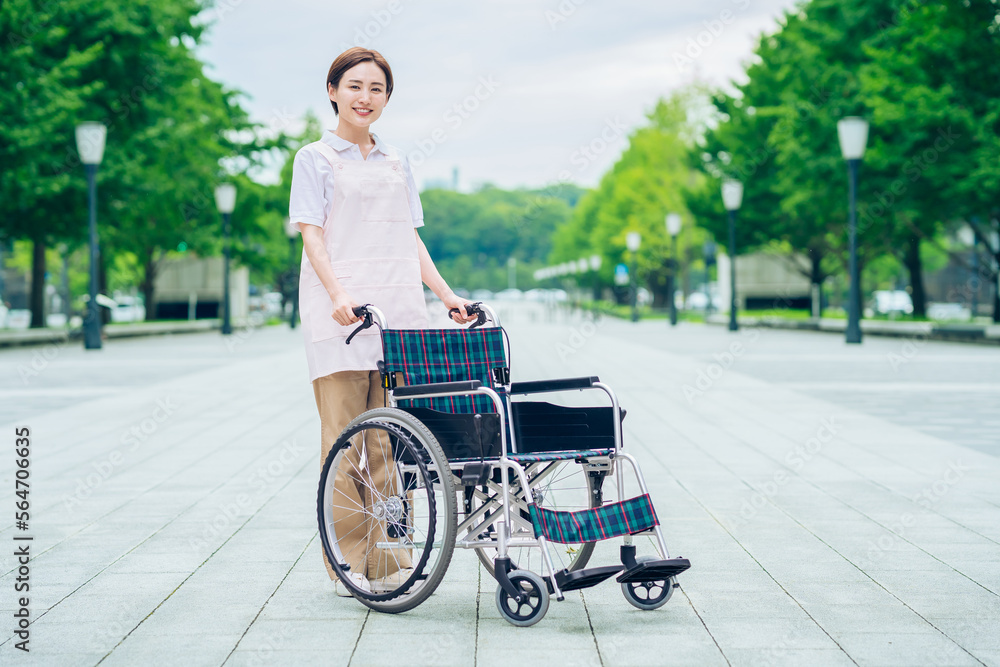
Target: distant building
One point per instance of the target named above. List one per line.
(443, 183)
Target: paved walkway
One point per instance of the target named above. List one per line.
(173, 507)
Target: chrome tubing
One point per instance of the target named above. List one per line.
(645, 491)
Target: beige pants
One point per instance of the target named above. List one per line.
(340, 397)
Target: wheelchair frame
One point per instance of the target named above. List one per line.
(492, 524)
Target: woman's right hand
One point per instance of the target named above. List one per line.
(343, 309)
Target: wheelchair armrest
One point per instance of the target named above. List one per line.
(543, 386)
(418, 390)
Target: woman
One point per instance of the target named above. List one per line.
(354, 200)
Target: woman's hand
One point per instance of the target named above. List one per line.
(343, 309)
(455, 301)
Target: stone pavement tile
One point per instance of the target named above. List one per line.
(988, 657)
(517, 654)
(74, 636)
(301, 635)
(677, 647)
(39, 657)
(788, 657)
(713, 605)
(809, 593)
(421, 648)
(977, 630)
(178, 648)
(767, 633)
(289, 658)
(890, 616)
(944, 604)
(891, 649)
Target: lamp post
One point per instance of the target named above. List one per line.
(732, 198)
(225, 201)
(90, 139)
(632, 241)
(708, 251)
(292, 232)
(853, 134)
(673, 229)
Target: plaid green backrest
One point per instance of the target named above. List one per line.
(446, 355)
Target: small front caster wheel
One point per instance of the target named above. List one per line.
(648, 595)
(534, 604)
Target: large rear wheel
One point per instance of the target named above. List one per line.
(386, 508)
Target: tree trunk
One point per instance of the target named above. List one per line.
(916, 271)
(149, 285)
(38, 283)
(996, 287)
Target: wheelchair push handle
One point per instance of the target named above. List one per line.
(369, 315)
(477, 309)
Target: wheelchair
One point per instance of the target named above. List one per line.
(455, 462)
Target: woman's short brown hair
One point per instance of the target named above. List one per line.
(355, 56)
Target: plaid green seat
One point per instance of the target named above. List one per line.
(424, 356)
(625, 518)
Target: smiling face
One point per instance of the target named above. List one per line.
(360, 95)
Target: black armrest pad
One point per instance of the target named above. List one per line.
(541, 386)
(436, 388)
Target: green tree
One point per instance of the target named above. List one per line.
(933, 85)
(643, 186)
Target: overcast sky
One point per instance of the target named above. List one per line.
(512, 92)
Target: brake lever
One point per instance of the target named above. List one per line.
(364, 325)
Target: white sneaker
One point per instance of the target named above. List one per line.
(392, 581)
(358, 580)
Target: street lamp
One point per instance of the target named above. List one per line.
(853, 134)
(292, 232)
(225, 201)
(732, 198)
(673, 229)
(632, 241)
(708, 250)
(90, 139)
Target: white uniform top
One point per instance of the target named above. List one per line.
(368, 235)
(313, 180)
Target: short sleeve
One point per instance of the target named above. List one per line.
(416, 209)
(307, 200)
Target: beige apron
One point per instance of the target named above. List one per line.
(370, 239)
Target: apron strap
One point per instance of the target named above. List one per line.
(327, 151)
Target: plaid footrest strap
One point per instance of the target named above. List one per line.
(625, 518)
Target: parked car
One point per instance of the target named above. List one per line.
(892, 302)
(510, 294)
(128, 309)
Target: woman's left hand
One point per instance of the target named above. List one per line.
(455, 301)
